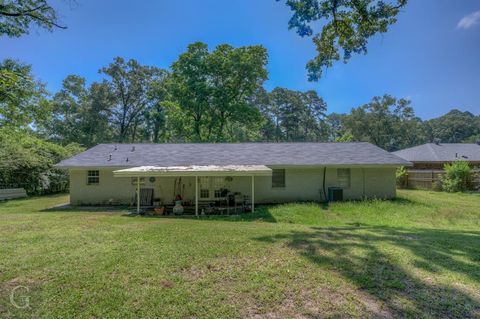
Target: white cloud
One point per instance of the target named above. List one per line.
(469, 21)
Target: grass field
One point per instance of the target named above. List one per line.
(417, 256)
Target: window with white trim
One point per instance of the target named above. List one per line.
(211, 187)
(278, 178)
(93, 177)
(343, 177)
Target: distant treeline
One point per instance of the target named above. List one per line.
(205, 96)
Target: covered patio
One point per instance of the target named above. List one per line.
(196, 172)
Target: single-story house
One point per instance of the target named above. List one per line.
(429, 159)
(263, 172)
(436, 155)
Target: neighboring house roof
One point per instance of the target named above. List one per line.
(442, 152)
(132, 155)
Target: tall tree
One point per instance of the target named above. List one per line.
(130, 83)
(81, 114)
(346, 25)
(453, 127)
(155, 117)
(190, 92)
(66, 105)
(210, 91)
(387, 122)
(334, 128)
(296, 116)
(236, 74)
(23, 99)
(16, 16)
(95, 116)
(261, 99)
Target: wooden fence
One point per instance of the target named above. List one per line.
(426, 179)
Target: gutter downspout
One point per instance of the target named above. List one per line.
(324, 177)
(363, 173)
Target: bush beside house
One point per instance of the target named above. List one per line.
(26, 162)
(402, 177)
(458, 177)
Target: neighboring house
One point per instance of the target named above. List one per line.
(263, 172)
(429, 159)
(435, 155)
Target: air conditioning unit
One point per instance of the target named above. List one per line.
(335, 194)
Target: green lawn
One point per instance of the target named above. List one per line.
(417, 256)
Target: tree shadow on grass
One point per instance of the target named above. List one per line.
(261, 214)
(86, 209)
(373, 259)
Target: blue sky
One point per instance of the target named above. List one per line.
(430, 56)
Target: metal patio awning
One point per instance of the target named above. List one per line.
(195, 170)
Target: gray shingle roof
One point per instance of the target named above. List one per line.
(232, 154)
(443, 152)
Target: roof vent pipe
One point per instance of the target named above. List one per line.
(456, 155)
(478, 142)
(110, 157)
(133, 148)
(436, 141)
(127, 159)
(115, 148)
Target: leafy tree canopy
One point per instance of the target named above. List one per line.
(22, 98)
(129, 84)
(210, 92)
(347, 25)
(454, 127)
(295, 115)
(387, 122)
(17, 16)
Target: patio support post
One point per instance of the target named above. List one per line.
(138, 195)
(253, 194)
(196, 196)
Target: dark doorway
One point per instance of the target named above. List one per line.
(146, 197)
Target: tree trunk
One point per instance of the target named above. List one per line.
(196, 128)
(134, 132)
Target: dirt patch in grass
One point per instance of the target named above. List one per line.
(318, 302)
(9, 285)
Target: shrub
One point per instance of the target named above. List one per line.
(458, 177)
(402, 176)
(437, 185)
(27, 161)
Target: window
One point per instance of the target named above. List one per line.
(343, 177)
(204, 187)
(93, 177)
(218, 184)
(204, 193)
(278, 178)
(134, 181)
(211, 187)
(218, 193)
